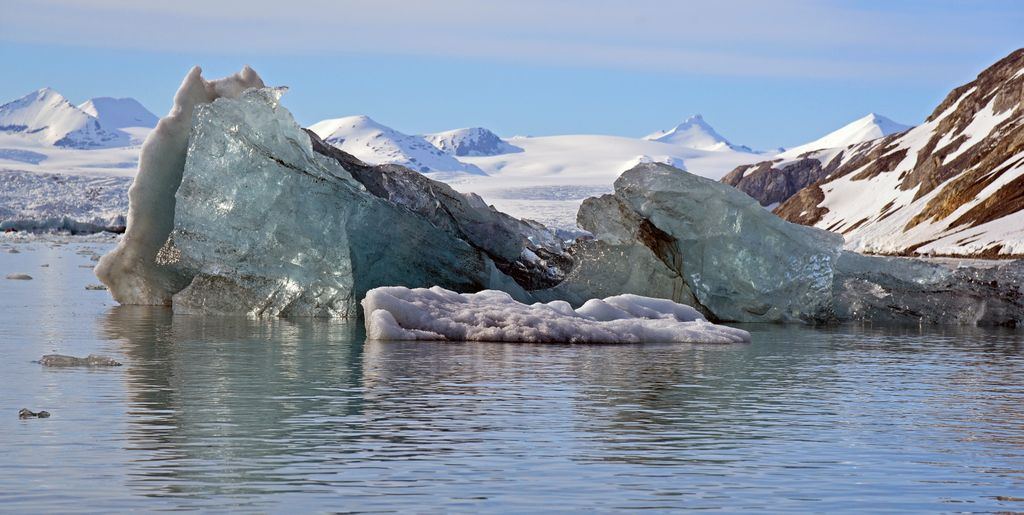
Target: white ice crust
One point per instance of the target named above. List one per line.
(399, 313)
(130, 270)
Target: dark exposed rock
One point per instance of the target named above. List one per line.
(770, 185)
(803, 208)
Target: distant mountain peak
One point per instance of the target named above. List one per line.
(866, 128)
(471, 141)
(47, 91)
(694, 132)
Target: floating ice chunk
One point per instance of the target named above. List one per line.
(92, 360)
(398, 313)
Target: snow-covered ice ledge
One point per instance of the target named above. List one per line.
(399, 313)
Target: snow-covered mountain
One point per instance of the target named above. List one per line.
(872, 126)
(375, 143)
(472, 141)
(953, 185)
(46, 116)
(695, 133)
(43, 133)
(119, 113)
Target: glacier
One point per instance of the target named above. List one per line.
(397, 313)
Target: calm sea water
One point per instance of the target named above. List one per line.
(299, 416)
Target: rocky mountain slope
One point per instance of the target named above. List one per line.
(951, 186)
(772, 182)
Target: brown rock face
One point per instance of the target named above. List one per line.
(770, 185)
(803, 208)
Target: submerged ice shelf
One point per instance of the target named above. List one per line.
(237, 210)
(397, 313)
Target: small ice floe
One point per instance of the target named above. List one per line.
(19, 277)
(398, 313)
(24, 413)
(92, 360)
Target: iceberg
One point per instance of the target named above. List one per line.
(396, 313)
(256, 216)
(704, 244)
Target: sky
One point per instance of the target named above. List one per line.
(764, 74)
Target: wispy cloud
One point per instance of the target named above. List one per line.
(796, 38)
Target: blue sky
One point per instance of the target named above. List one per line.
(763, 73)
